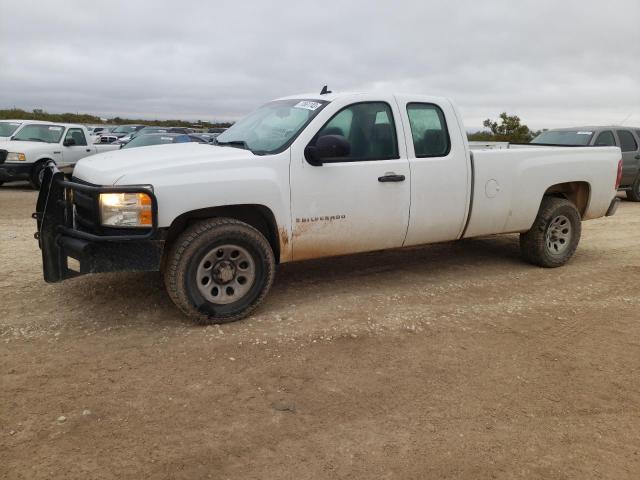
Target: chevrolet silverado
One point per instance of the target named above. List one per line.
(312, 176)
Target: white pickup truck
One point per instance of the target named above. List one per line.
(306, 177)
(8, 128)
(33, 144)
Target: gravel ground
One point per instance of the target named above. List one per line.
(447, 361)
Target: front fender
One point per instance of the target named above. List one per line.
(262, 182)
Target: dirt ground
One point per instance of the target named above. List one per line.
(446, 361)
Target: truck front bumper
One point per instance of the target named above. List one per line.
(10, 172)
(69, 250)
(613, 207)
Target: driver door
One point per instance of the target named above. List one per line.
(72, 153)
(358, 202)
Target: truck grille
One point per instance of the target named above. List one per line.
(3, 155)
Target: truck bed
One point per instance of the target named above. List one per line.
(508, 184)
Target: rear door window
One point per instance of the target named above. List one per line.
(429, 130)
(605, 139)
(627, 142)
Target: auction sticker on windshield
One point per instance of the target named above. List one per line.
(585, 133)
(57, 129)
(307, 105)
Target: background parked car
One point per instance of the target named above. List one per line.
(148, 130)
(106, 138)
(8, 128)
(162, 138)
(216, 131)
(124, 130)
(206, 137)
(98, 129)
(627, 138)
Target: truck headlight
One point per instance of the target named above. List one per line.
(16, 157)
(126, 210)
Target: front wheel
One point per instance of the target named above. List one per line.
(555, 234)
(37, 175)
(633, 193)
(219, 270)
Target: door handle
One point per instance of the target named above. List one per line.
(391, 177)
(637, 157)
(88, 149)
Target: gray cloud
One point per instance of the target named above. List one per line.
(551, 62)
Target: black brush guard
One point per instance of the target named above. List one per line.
(59, 238)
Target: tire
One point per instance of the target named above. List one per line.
(35, 178)
(204, 284)
(555, 234)
(633, 193)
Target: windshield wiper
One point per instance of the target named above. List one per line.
(238, 144)
(234, 143)
(29, 140)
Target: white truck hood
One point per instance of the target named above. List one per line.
(27, 147)
(147, 165)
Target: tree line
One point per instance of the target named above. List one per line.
(38, 114)
(508, 129)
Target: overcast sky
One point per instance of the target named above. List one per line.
(552, 62)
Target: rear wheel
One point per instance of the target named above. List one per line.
(555, 234)
(633, 193)
(219, 270)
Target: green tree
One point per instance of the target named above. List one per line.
(509, 129)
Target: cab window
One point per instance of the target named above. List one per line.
(605, 139)
(77, 135)
(429, 130)
(370, 129)
(627, 142)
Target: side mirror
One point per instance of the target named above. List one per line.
(69, 142)
(326, 149)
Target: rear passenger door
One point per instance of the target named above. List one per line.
(630, 155)
(440, 171)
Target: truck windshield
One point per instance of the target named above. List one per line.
(40, 133)
(564, 137)
(272, 127)
(7, 128)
